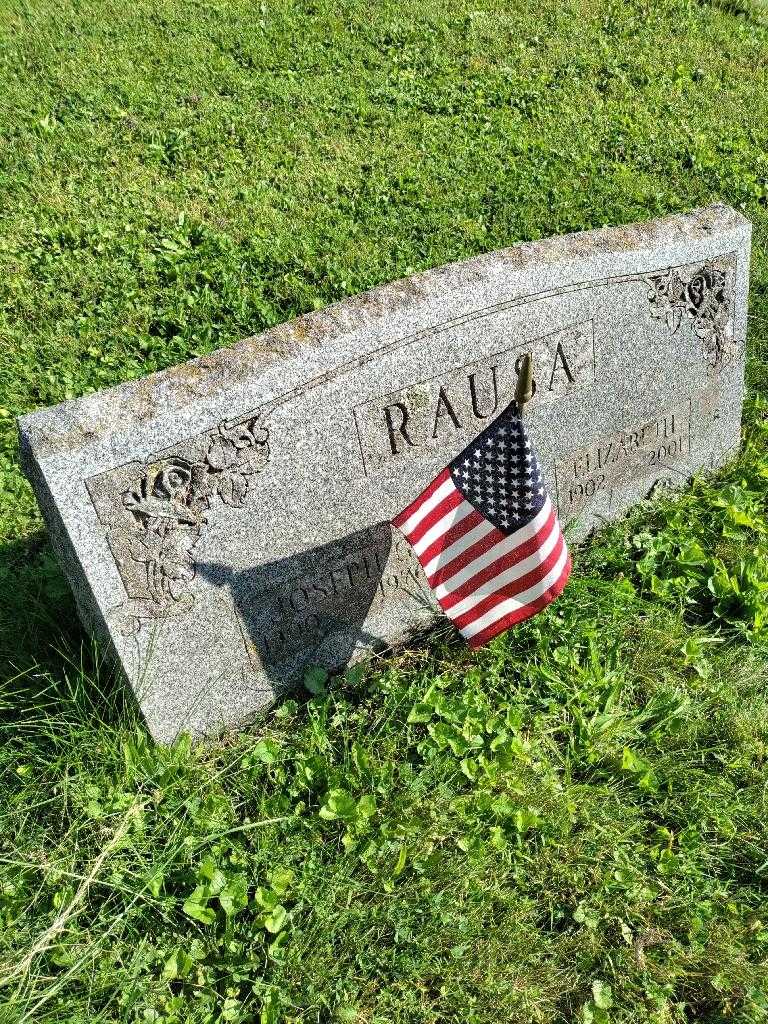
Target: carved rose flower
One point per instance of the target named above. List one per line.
(666, 296)
(705, 292)
(173, 481)
(168, 490)
(703, 298)
(173, 496)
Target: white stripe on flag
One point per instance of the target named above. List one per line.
(443, 525)
(508, 544)
(426, 507)
(513, 603)
(514, 572)
(466, 541)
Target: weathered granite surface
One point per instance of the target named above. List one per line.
(224, 524)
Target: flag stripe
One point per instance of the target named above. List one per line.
(506, 582)
(519, 601)
(525, 611)
(456, 535)
(436, 531)
(518, 586)
(491, 547)
(425, 502)
(481, 537)
(491, 564)
(452, 500)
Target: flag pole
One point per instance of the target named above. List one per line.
(525, 384)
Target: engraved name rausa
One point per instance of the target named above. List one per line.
(433, 414)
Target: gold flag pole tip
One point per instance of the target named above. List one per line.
(525, 385)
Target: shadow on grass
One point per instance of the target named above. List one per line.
(750, 10)
(300, 612)
(49, 667)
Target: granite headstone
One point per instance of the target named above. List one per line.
(225, 524)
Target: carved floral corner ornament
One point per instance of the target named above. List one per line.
(171, 499)
(702, 294)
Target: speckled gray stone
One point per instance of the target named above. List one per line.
(224, 524)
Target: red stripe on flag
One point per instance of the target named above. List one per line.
(512, 589)
(465, 557)
(469, 522)
(406, 514)
(449, 502)
(521, 614)
(503, 562)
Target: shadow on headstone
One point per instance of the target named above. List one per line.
(309, 609)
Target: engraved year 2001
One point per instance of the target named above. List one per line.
(662, 443)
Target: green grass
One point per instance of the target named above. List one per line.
(568, 825)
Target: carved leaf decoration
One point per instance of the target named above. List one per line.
(674, 318)
(139, 551)
(178, 571)
(158, 584)
(245, 435)
(675, 288)
(219, 455)
(202, 484)
(132, 499)
(260, 433)
(722, 316)
(233, 488)
(148, 547)
(177, 547)
(254, 461)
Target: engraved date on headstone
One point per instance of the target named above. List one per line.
(315, 617)
(652, 449)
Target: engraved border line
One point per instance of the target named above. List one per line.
(264, 408)
(460, 321)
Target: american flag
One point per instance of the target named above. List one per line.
(487, 535)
